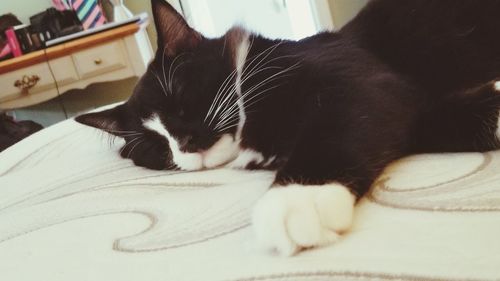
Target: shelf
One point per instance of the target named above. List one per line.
(67, 48)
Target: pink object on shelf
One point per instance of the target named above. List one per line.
(13, 42)
(5, 51)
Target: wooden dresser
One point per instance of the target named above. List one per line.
(42, 75)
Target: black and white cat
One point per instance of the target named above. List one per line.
(327, 113)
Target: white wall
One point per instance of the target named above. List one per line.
(23, 9)
(344, 10)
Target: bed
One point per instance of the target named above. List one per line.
(72, 209)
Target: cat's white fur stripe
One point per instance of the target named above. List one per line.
(241, 57)
(289, 218)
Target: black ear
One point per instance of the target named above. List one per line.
(107, 120)
(174, 34)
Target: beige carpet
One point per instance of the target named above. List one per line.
(71, 209)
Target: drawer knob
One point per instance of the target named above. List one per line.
(27, 82)
(98, 61)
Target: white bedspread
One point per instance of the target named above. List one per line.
(72, 209)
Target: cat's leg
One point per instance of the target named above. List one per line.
(312, 199)
(464, 121)
(296, 216)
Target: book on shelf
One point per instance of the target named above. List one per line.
(24, 38)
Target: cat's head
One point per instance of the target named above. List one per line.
(184, 111)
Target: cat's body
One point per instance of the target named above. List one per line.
(328, 113)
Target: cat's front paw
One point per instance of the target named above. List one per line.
(288, 219)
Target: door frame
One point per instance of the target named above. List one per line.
(324, 18)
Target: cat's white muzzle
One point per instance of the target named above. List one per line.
(223, 151)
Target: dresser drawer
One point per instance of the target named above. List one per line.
(26, 81)
(100, 59)
(64, 70)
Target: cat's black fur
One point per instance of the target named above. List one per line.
(12, 131)
(402, 77)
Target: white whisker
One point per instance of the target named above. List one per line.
(131, 135)
(228, 127)
(246, 105)
(170, 167)
(219, 93)
(224, 47)
(133, 147)
(119, 131)
(230, 119)
(173, 75)
(269, 50)
(250, 75)
(159, 81)
(170, 74)
(223, 109)
(264, 82)
(224, 101)
(128, 143)
(249, 105)
(163, 66)
(274, 76)
(224, 92)
(230, 111)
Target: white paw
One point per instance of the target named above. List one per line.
(497, 86)
(287, 219)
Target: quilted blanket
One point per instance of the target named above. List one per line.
(72, 209)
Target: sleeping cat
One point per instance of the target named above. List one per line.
(327, 113)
